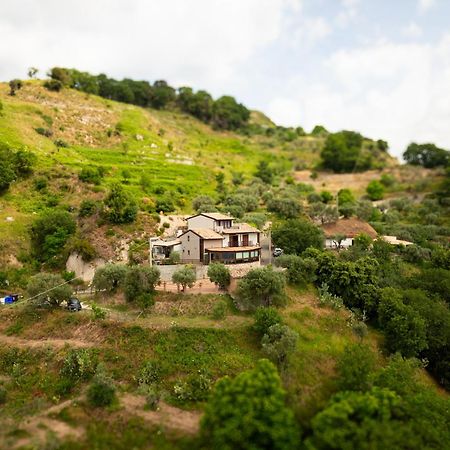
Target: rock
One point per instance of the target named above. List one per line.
(153, 145)
(139, 137)
(10, 219)
(81, 268)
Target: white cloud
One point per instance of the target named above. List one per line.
(398, 92)
(309, 32)
(200, 42)
(412, 30)
(425, 5)
(348, 13)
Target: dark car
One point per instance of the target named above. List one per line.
(74, 304)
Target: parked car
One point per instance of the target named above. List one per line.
(277, 251)
(74, 304)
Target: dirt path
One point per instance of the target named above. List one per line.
(15, 341)
(170, 417)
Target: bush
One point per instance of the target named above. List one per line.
(99, 313)
(375, 190)
(79, 365)
(140, 280)
(44, 131)
(203, 203)
(299, 270)
(60, 143)
(150, 372)
(174, 258)
(152, 396)
(40, 183)
(83, 248)
(120, 207)
(326, 298)
(220, 275)
(354, 367)
(265, 318)
(195, 388)
(184, 277)
(87, 208)
(53, 85)
(285, 207)
(3, 395)
(279, 342)
(219, 310)
(92, 175)
(109, 277)
(101, 391)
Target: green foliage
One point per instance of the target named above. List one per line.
(184, 277)
(227, 114)
(245, 202)
(14, 164)
(50, 232)
(47, 288)
(375, 190)
(300, 270)
(319, 130)
(387, 180)
(82, 247)
(403, 327)
(150, 372)
(261, 287)
(53, 85)
(354, 367)
(326, 298)
(341, 151)
(174, 258)
(101, 391)
(355, 420)
(294, 236)
(195, 388)
(204, 203)
(324, 213)
(279, 342)
(14, 85)
(248, 412)
(88, 208)
(109, 277)
(265, 317)
(98, 312)
(426, 155)
(264, 172)
(3, 395)
(220, 275)
(219, 310)
(140, 280)
(79, 365)
(346, 196)
(120, 207)
(285, 207)
(326, 196)
(92, 175)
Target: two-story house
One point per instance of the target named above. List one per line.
(214, 237)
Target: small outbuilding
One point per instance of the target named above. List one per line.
(342, 233)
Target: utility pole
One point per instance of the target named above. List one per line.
(150, 252)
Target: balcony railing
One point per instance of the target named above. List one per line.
(242, 244)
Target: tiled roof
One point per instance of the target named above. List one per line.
(350, 228)
(213, 215)
(205, 233)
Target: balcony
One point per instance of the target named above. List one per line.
(242, 244)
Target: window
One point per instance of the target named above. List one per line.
(189, 238)
(189, 253)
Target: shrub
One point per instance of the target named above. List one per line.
(375, 190)
(184, 277)
(60, 143)
(152, 396)
(92, 175)
(265, 318)
(14, 85)
(120, 207)
(219, 310)
(53, 85)
(3, 395)
(87, 208)
(360, 329)
(83, 248)
(174, 258)
(44, 131)
(220, 275)
(326, 298)
(150, 372)
(79, 365)
(204, 203)
(299, 270)
(195, 388)
(99, 313)
(40, 183)
(354, 367)
(101, 391)
(279, 342)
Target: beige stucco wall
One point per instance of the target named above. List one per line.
(201, 222)
(213, 243)
(190, 245)
(252, 237)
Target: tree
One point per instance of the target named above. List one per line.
(279, 342)
(355, 420)
(300, 270)
(323, 213)
(140, 281)
(47, 288)
(354, 367)
(161, 94)
(220, 275)
(319, 130)
(326, 196)
(265, 318)
(249, 412)
(375, 190)
(50, 232)
(109, 277)
(403, 327)
(345, 196)
(426, 155)
(62, 75)
(285, 207)
(120, 206)
(32, 71)
(228, 114)
(264, 172)
(294, 236)
(341, 151)
(184, 277)
(204, 203)
(261, 287)
(14, 85)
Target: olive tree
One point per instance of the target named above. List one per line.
(184, 277)
(220, 275)
(47, 288)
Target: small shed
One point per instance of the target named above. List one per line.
(349, 228)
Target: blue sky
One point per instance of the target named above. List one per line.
(381, 67)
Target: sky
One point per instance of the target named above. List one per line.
(381, 67)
